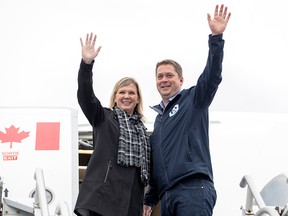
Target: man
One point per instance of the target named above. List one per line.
(182, 175)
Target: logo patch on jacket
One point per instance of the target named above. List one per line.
(174, 110)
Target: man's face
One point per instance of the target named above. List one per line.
(168, 82)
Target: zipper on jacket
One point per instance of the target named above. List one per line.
(107, 171)
(161, 151)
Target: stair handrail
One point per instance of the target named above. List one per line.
(40, 193)
(254, 194)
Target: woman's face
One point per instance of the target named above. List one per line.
(126, 98)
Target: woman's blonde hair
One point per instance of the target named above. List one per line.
(124, 82)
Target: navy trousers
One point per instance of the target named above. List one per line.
(194, 196)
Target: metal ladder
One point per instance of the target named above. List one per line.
(37, 206)
(272, 200)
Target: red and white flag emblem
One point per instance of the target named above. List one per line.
(47, 136)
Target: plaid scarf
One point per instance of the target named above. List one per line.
(134, 147)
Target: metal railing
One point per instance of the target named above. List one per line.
(40, 202)
(254, 194)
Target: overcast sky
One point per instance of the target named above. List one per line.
(40, 50)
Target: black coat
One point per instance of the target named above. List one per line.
(107, 188)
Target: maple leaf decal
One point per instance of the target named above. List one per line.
(12, 135)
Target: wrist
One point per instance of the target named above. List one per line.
(87, 61)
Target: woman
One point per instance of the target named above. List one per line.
(118, 169)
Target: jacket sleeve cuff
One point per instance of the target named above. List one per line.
(87, 65)
(215, 37)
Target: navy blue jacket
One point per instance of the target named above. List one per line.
(180, 141)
